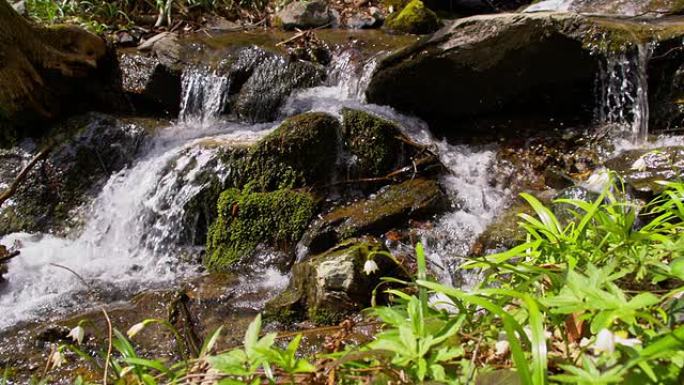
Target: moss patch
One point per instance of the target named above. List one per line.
(249, 219)
(372, 141)
(301, 152)
(414, 18)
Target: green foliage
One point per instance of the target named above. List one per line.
(111, 15)
(553, 310)
(248, 219)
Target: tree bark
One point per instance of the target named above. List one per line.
(46, 73)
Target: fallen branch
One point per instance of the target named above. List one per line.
(8, 257)
(23, 174)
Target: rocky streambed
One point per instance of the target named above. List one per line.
(238, 178)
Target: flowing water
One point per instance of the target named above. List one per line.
(623, 92)
(130, 238)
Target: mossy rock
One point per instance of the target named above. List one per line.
(391, 207)
(247, 220)
(301, 152)
(374, 143)
(415, 18)
(327, 287)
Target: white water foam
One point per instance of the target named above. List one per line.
(127, 243)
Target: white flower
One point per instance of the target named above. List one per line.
(57, 358)
(501, 347)
(639, 164)
(606, 341)
(370, 267)
(77, 334)
(135, 329)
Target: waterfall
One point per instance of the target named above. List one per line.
(204, 95)
(131, 229)
(623, 92)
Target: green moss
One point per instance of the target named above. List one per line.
(326, 316)
(373, 141)
(247, 219)
(414, 18)
(301, 152)
(398, 5)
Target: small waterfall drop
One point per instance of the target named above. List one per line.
(623, 92)
(204, 95)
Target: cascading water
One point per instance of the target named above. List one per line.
(623, 92)
(204, 95)
(129, 239)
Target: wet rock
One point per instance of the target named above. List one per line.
(504, 232)
(327, 287)
(90, 148)
(305, 15)
(375, 145)
(271, 81)
(666, 87)
(301, 152)
(495, 72)
(153, 87)
(610, 7)
(478, 6)
(390, 207)
(642, 170)
(414, 18)
(165, 47)
(20, 7)
(250, 220)
(362, 21)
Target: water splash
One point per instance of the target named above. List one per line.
(129, 241)
(204, 95)
(623, 92)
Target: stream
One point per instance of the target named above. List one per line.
(130, 240)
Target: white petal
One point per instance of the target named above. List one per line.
(370, 267)
(605, 342)
(135, 329)
(77, 334)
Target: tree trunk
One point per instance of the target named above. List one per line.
(46, 73)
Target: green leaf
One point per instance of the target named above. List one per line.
(252, 334)
(210, 342)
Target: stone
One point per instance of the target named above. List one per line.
(164, 46)
(610, 7)
(152, 87)
(390, 207)
(486, 75)
(327, 287)
(642, 169)
(248, 221)
(20, 7)
(88, 149)
(374, 145)
(414, 18)
(362, 21)
(305, 14)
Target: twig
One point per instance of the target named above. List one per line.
(23, 174)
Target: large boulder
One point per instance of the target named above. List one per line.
(610, 7)
(496, 75)
(480, 74)
(49, 73)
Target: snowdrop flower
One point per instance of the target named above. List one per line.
(135, 329)
(57, 358)
(606, 341)
(598, 181)
(639, 164)
(501, 347)
(370, 267)
(77, 334)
